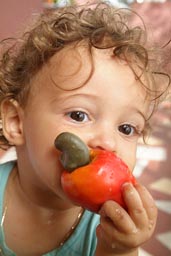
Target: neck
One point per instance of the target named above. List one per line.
(38, 197)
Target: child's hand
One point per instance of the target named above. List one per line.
(122, 232)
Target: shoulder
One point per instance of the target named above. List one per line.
(6, 164)
(5, 170)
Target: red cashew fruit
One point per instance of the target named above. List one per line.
(96, 182)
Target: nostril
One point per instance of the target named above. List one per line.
(104, 139)
(98, 147)
(105, 146)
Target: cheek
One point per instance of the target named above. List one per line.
(128, 155)
(43, 158)
(132, 161)
(46, 166)
(39, 145)
(39, 135)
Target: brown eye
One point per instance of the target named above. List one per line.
(127, 129)
(78, 116)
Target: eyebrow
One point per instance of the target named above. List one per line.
(94, 96)
(139, 112)
(84, 95)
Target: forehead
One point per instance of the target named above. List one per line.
(75, 66)
(71, 63)
(69, 74)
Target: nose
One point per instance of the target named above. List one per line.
(103, 139)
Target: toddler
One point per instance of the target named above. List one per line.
(82, 70)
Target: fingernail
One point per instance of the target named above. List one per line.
(102, 213)
(127, 185)
(150, 226)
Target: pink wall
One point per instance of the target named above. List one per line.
(15, 13)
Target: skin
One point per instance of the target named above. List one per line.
(111, 99)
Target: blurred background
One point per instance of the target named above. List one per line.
(153, 167)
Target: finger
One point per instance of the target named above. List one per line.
(135, 205)
(148, 203)
(116, 239)
(113, 215)
(105, 239)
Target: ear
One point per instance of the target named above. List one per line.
(12, 116)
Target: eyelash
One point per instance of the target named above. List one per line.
(136, 130)
(75, 114)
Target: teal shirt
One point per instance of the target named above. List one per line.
(81, 243)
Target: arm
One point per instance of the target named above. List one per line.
(121, 232)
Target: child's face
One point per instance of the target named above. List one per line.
(108, 112)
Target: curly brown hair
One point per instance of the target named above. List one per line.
(101, 26)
